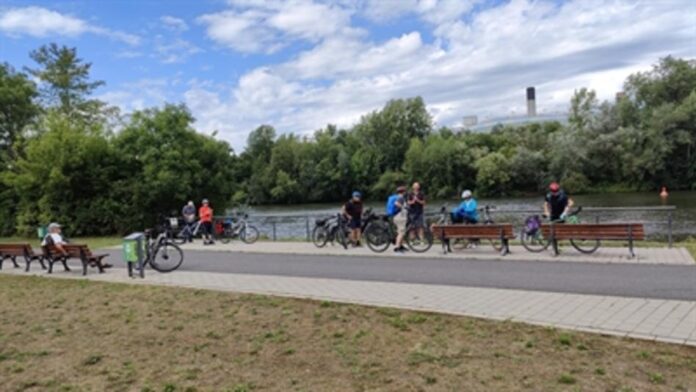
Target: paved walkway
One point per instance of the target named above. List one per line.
(669, 321)
(678, 256)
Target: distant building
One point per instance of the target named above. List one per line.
(531, 102)
(469, 121)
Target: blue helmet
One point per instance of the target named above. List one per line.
(357, 194)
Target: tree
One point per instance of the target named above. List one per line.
(168, 163)
(17, 108)
(65, 82)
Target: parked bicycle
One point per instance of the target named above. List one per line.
(332, 229)
(187, 232)
(534, 241)
(229, 230)
(161, 253)
(380, 232)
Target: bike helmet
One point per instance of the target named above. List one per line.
(554, 187)
(401, 189)
(466, 194)
(357, 194)
(205, 201)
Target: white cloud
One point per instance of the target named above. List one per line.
(477, 63)
(433, 11)
(266, 26)
(41, 22)
(174, 51)
(174, 23)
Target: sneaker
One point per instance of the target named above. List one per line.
(398, 250)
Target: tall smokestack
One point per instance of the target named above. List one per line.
(531, 102)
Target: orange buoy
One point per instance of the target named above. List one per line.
(663, 192)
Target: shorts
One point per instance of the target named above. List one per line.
(416, 219)
(207, 227)
(400, 223)
(355, 223)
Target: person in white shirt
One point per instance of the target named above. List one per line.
(55, 238)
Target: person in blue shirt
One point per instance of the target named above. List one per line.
(396, 210)
(467, 211)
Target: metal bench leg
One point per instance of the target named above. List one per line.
(65, 264)
(554, 244)
(41, 261)
(630, 241)
(506, 248)
(85, 264)
(14, 261)
(445, 242)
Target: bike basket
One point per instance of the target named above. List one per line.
(174, 223)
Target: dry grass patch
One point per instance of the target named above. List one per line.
(67, 335)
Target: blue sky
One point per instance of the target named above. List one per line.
(300, 64)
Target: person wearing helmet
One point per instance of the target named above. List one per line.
(467, 211)
(397, 211)
(205, 213)
(352, 211)
(557, 204)
(189, 215)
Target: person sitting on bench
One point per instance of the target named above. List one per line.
(467, 213)
(55, 238)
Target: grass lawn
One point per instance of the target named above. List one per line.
(76, 335)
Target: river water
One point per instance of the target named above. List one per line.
(292, 221)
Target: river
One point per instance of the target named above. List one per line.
(291, 220)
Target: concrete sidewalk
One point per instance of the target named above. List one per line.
(676, 256)
(653, 319)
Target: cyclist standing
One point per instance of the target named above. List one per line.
(557, 204)
(396, 210)
(416, 204)
(352, 210)
(189, 214)
(205, 213)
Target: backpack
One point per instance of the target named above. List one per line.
(532, 225)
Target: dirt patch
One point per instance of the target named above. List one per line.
(67, 335)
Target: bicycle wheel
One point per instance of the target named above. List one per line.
(166, 257)
(496, 244)
(534, 242)
(585, 246)
(226, 236)
(320, 236)
(377, 237)
(419, 239)
(341, 237)
(249, 234)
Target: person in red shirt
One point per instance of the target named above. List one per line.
(205, 214)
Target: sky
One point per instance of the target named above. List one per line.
(301, 64)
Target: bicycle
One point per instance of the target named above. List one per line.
(161, 253)
(380, 232)
(331, 229)
(241, 229)
(188, 232)
(533, 238)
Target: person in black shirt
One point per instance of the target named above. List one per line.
(557, 203)
(352, 210)
(416, 204)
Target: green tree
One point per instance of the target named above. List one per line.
(167, 163)
(65, 83)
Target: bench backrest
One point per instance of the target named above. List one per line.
(16, 250)
(474, 231)
(600, 231)
(73, 250)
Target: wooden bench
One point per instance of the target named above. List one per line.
(12, 251)
(601, 231)
(502, 232)
(74, 251)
